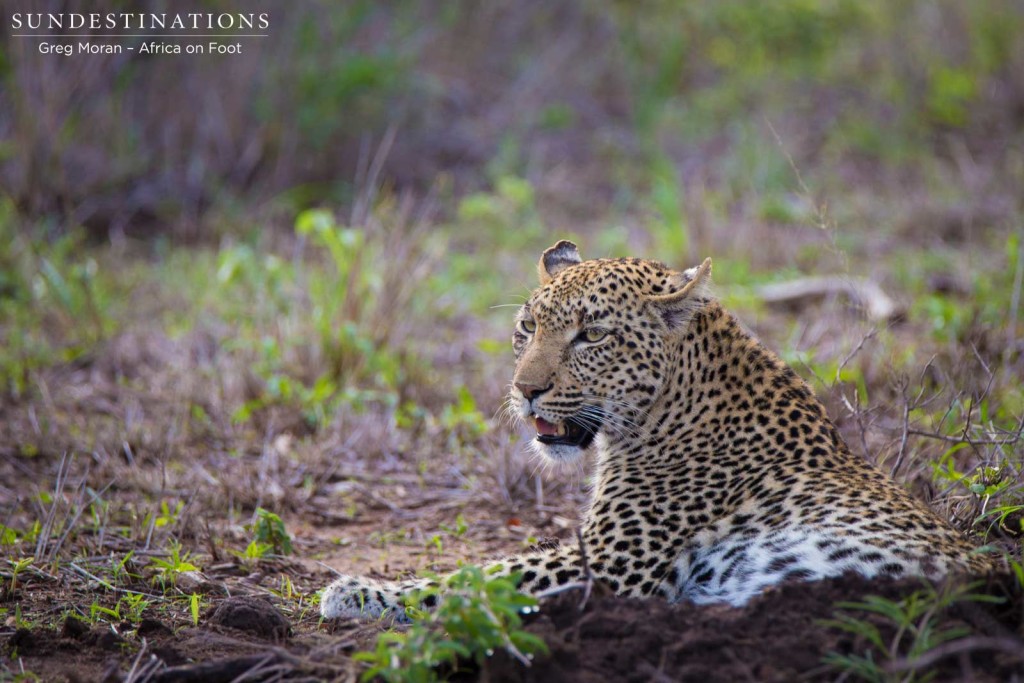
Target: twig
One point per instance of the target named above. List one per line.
(79, 508)
(850, 356)
(58, 494)
(903, 437)
(1011, 328)
(370, 175)
(106, 584)
(1012, 647)
(1008, 441)
(137, 675)
(589, 584)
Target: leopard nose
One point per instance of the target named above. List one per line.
(530, 391)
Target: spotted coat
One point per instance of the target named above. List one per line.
(718, 473)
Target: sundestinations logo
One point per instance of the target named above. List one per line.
(81, 33)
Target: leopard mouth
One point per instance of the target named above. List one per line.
(578, 431)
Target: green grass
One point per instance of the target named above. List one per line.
(56, 303)
(913, 623)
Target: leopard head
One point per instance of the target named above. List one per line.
(594, 344)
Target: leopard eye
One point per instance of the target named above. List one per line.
(528, 326)
(592, 335)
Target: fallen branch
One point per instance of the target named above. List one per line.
(865, 294)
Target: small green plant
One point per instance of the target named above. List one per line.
(168, 570)
(269, 530)
(168, 516)
(193, 606)
(98, 611)
(460, 528)
(253, 553)
(129, 608)
(987, 484)
(133, 605)
(287, 590)
(462, 419)
(8, 535)
(20, 620)
(437, 543)
(477, 614)
(350, 303)
(915, 620)
(18, 566)
(295, 603)
(119, 571)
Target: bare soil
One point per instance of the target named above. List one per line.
(777, 637)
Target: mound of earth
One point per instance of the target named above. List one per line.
(780, 636)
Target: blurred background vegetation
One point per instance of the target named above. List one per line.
(603, 107)
(196, 252)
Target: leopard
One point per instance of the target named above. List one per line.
(717, 472)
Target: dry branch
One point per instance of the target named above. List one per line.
(864, 294)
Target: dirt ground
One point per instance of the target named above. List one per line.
(121, 471)
(778, 637)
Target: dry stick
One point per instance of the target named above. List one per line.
(1011, 329)
(903, 437)
(857, 349)
(135, 675)
(949, 411)
(827, 225)
(79, 508)
(1008, 441)
(856, 411)
(262, 671)
(58, 491)
(148, 670)
(589, 584)
(364, 202)
(106, 584)
(1012, 647)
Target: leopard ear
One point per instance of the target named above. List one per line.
(556, 259)
(679, 306)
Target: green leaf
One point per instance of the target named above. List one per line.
(314, 221)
